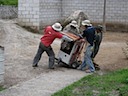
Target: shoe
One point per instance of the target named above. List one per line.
(97, 68)
(34, 65)
(88, 71)
(79, 68)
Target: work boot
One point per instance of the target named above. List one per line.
(35, 65)
(97, 67)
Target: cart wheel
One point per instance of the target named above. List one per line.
(75, 65)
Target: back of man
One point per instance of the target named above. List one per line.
(50, 35)
(89, 33)
(98, 39)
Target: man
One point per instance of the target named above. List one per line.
(72, 28)
(97, 42)
(89, 34)
(50, 34)
(98, 39)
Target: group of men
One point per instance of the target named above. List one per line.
(93, 36)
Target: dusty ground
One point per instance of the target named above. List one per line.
(110, 56)
(21, 46)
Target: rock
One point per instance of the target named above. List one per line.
(78, 15)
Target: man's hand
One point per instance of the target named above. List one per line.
(80, 36)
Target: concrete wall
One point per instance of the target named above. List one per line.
(45, 12)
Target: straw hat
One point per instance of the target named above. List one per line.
(57, 26)
(86, 22)
(74, 23)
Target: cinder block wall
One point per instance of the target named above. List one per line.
(50, 11)
(45, 12)
(28, 13)
(116, 10)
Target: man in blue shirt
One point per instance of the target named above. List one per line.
(89, 35)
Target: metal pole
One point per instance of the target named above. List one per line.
(1, 65)
(104, 17)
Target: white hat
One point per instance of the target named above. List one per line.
(86, 22)
(57, 26)
(74, 23)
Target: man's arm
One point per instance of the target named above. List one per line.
(67, 38)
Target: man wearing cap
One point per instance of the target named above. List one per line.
(98, 39)
(89, 34)
(50, 34)
(72, 28)
(97, 42)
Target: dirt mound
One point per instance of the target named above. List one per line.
(20, 47)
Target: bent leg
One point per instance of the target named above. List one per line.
(38, 55)
(51, 55)
(88, 59)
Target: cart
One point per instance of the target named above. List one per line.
(70, 51)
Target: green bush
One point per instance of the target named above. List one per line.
(9, 2)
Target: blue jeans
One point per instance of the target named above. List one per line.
(88, 60)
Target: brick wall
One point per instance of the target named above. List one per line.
(45, 12)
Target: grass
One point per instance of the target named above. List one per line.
(110, 84)
(9, 2)
(1, 88)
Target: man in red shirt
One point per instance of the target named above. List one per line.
(50, 34)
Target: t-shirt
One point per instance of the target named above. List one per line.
(89, 33)
(50, 35)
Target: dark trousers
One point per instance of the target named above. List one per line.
(49, 52)
(97, 44)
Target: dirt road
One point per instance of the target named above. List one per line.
(21, 46)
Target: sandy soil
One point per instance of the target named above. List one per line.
(21, 46)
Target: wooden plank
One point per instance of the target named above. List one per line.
(70, 35)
